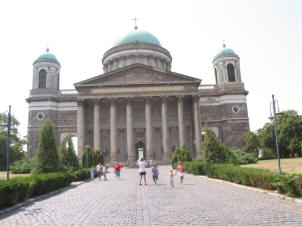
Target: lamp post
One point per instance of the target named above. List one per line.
(8, 125)
(276, 133)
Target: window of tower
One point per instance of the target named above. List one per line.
(231, 73)
(42, 79)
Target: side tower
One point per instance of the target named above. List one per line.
(223, 106)
(45, 87)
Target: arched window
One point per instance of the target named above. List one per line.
(42, 79)
(231, 73)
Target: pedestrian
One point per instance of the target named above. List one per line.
(117, 169)
(155, 173)
(99, 170)
(151, 162)
(171, 178)
(142, 171)
(91, 174)
(181, 171)
(105, 172)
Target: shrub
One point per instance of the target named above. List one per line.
(180, 154)
(68, 156)
(268, 154)
(82, 174)
(87, 159)
(195, 167)
(21, 166)
(245, 158)
(97, 157)
(47, 157)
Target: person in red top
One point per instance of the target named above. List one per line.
(117, 169)
(181, 171)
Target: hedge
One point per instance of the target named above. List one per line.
(19, 189)
(289, 184)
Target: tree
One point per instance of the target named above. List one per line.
(17, 143)
(251, 143)
(289, 133)
(216, 152)
(181, 154)
(68, 156)
(97, 157)
(47, 157)
(87, 158)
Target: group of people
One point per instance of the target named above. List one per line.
(155, 172)
(102, 170)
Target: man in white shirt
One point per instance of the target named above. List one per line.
(142, 171)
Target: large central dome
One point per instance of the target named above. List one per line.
(137, 47)
(138, 36)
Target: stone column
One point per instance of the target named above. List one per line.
(80, 128)
(181, 127)
(197, 127)
(96, 126)
(149, 146)
(130, 146)
(165, 129)
(113, 132)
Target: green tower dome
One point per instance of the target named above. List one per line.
(47, 57)
(138, 36)
(225, 52)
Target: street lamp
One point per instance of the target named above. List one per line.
(276, 130)
(8, 125)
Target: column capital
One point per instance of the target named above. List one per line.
(129, 100)
(148, 99)
(180, 98)
(112, 100)
(196, 97)
(164, 99)
(80, 102)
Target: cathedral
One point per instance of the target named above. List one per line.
(139, 103)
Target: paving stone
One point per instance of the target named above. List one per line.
(199, 201)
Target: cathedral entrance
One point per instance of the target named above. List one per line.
(140, 150)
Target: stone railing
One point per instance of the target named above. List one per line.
(207, 87)
(68, 92)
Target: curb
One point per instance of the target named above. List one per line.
(277, 195)
(32, 200)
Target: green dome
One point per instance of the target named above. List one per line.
(225, 52)
(47, 57)
(138, 36)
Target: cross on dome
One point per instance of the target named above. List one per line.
(135, 25)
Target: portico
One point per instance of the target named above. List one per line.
(156, 108)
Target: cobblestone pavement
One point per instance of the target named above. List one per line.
(199, 201)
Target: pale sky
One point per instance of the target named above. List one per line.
(266, 34)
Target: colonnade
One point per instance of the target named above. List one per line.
(81, 127)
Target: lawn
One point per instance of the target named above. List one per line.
(3, 175)
(292, 165)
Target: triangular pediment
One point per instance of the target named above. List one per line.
(135, 75)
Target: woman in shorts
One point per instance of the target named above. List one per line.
(142, 171)
(181, 171)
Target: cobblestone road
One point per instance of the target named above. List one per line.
(199, 201)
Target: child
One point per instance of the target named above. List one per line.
(117, 169)
(171, 178)
(105, 172)
(91, 174)
(155, 173)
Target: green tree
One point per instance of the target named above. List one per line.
(97, 157)
(17, 143)
(68, 156)
(251, 143)
(216, 152)
(289, 133)
(87, 158)
(181, 154)
(47, 157)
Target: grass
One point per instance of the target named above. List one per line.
(3, 175)
(291, 165)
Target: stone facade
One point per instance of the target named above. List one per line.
(140, 102)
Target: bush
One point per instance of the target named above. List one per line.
(87, 159)
(180, 154)
(47, 157)
(19, 189)
(21, 166)
(244, 158)
(97, 157)
(268, 154)
(289, 184)
(68, 156)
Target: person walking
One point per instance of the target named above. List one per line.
(99, 170)
(117, 169)
(171, 178)
(91, 174)
(181, 171)
(105, 172)
(142, 171)
(155, 173)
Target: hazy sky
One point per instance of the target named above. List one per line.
(266, 34)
